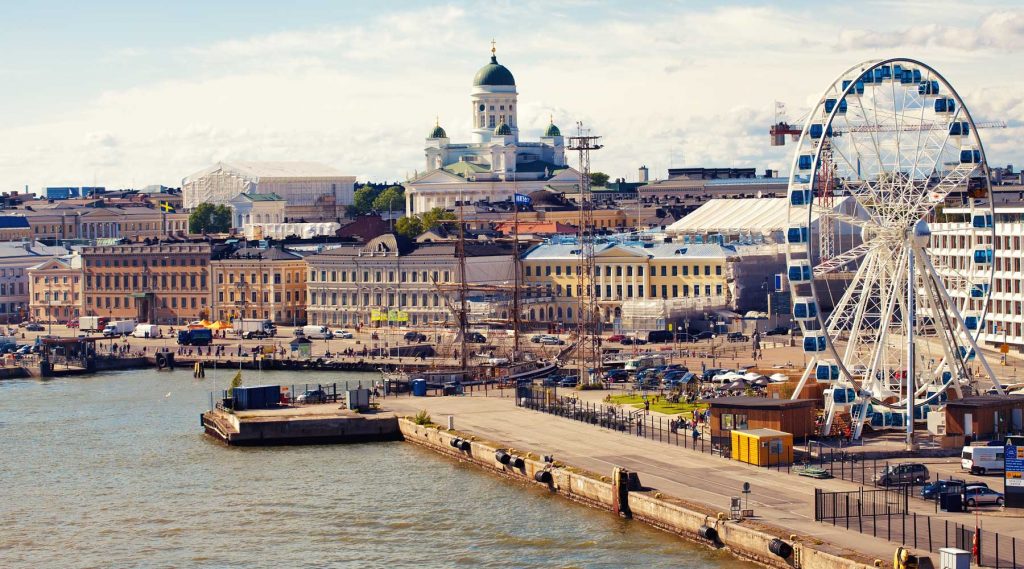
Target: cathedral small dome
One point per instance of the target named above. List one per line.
(494, 74)
(552, 130)
(438, 132)
(503, 130)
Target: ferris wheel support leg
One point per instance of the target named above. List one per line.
(949, 359)
(862, 414)
(803, 378)
(970, 337)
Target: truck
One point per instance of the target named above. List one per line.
(147, 331)
(195, 337)
(250, 328)
(92, 323)
(116, 328)
(982, 460)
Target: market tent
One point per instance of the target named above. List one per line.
(220, 325)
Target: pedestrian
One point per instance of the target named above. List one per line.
(696, 435)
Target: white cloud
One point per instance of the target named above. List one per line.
(692, 87)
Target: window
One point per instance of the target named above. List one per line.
(675, 271)
(686, 270)
(663, 270)
(558, 271)
(707, 270)
(675, 291)
(718, 270)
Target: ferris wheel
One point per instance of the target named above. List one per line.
(891, 328)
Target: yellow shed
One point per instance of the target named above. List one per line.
(762, 447)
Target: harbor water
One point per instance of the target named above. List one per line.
(113, 470)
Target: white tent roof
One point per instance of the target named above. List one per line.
(762, 215)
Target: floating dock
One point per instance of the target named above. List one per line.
(308, 424)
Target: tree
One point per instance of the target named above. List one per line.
(435, 216)
(208, 218)
(598, 179)
(409, 227)
(391, 199)
(362, 200)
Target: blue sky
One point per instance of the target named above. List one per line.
(134, 93)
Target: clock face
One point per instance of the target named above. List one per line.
(481, 107)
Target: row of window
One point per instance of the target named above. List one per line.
(279, 316)
(351, 319)
(132, 282)
(254, 297)
(353, 299)
(163, 302)
(63, 296)
(254, 279)
(163, 262)
(567, 291)
(378, 276)
(619, 270)
(55, 280)
(8, 288)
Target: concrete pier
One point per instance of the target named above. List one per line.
(310, 424)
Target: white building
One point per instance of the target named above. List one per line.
(15, 260)
(311, 191)
(953, 243)
(496, 164)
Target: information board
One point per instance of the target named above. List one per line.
(1013, 477)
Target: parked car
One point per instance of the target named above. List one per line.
(313, 396)
(951, 485)
(616, 375)
(685, 337)
(343, 334)
(71, 324)
(616, 337)
(705, 335)
(737, 337)
(551, 381)
(904, 473)
(778, 331)
(631, 341)
(551, 341)
(981, 460)
(536, 338)
(35, 327)
(415, 337)
(659, 336)
(569, 381)
(983, 496)
(476, 338)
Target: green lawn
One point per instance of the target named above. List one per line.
(661, 406)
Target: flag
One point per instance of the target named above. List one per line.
(523, 199)
(167, 207)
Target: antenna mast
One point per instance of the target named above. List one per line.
(460, 252)
(588, 313)
(517, 267)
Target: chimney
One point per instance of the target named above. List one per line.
(643, 176)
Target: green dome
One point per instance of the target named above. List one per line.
(552, 130)
(503, 130)
(438, 132)
(494, 74)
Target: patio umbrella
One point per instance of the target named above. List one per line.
(779, 377)
(751, 376)
(761, 382)
(738, 384)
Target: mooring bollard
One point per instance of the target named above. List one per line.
(451, 422)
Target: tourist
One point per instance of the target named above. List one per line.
(696, 435)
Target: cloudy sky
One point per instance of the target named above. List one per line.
(126, 94)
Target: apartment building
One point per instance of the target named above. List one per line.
(161, 282)
(55, 289)
(260, 283)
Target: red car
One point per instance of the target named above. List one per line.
(616, 337)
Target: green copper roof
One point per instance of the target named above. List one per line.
(438, 132)
(494, 74)
(465, 169)
(552, 130)
(264, 197)
(503, 130)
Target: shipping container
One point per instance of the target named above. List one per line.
(256, 397)
(762, 447)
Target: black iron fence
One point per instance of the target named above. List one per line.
(885, 513)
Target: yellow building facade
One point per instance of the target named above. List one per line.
(653, 277)
(55, 290)
(260, 283)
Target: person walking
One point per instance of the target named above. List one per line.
(696, 435)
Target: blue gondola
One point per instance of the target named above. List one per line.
(800, 271)
(917, 75)
(883, 73)
(799, 197)
(945, 106)
(897, 420)
(982, 256)
(844, 396)
(831, 104)
(818, 129)
(858, 86)
(805, 162)
(973, 321)
(959, 129)
(866, 78)
(897, 71)
(921, 412)
(979, 290)
(805, 308)
(814, 343)
(966, 353)
(970, 156)
(907, 77)
(826, 371)
(797, 234)
(982, 220)
(928, 88)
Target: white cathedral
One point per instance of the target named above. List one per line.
(496, 164)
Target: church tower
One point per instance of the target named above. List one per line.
(494, 100)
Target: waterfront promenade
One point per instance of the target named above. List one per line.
(777, 498)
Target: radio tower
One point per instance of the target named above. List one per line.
(588, 348)
(826, 198)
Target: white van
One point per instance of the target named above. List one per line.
(980, 460)
(321, 332)
(147, 331)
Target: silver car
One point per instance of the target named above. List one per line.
(981, 496)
